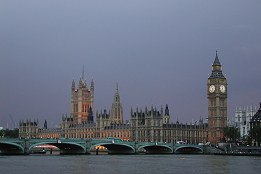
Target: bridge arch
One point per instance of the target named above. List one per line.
(188, 150)
(156, 149)
(11, 148)
(65, 147)
(114, 148)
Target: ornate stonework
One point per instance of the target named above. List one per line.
(82, 102)
(217, 103)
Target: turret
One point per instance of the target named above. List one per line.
(146, 110)
(216, 68)
(152, 109)
(166, 117)
(216, 65)
(167, 110)
(117, 95)
(80, 84)
(45, 124)
(131, 112)
(73, 85)
(92, 86)
(92, 94)
(116, 108)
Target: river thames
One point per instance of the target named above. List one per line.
(129, 164)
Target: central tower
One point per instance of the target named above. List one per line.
(82, 100)
(116, 109)
(217, 103)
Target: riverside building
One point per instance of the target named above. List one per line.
(148, 125)
(28, 129)
(108, 124)
(82, 102)
(255, 128)
(153, 125)
(242, 119)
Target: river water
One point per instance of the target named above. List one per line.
(129, 164)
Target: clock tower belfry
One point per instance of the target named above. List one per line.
(217, 103)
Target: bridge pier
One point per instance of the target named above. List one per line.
(26, 147)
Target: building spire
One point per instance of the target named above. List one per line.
(117, 95)
(216, 68)
(167, 110)
(73, 85)
(45, 124)
(116, 109)
(83, 72)
(92, 85)
(216, 61)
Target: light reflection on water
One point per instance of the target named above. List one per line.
(129, 164)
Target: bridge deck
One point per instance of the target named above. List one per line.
(84, 146)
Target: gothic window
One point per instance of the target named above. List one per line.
(75, 108)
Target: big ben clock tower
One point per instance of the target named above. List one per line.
(217, 103)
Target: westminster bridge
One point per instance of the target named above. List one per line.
(10, 146)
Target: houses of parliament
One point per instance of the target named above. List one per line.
(148, 124)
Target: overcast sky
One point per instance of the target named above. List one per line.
(158, 51)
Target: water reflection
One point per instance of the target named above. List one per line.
(129, 164)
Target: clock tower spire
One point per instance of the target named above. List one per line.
(217, 103)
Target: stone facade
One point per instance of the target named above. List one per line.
(217, 103)
(255, 128)
(116, 109)
(83, 130)
(153, 125)
(50, 133)
(188, 133)
(82, 102)
(149, 125)
(28, 129)
(111, 124)
(242, 119)
(108, 124)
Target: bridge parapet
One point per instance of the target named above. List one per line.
(114, 146)
(13, 146)
(66, 146)
(155, 147)
(189, 148)
(83, 146)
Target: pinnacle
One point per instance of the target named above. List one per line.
(216, 61)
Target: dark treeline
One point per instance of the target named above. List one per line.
(9, 133)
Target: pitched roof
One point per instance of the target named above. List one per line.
(257, 116)
(216, 61)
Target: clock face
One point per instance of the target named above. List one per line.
(222, 88)
(212, 88)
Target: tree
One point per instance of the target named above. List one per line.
(231, 134)
(9, 133)
(255, 134)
